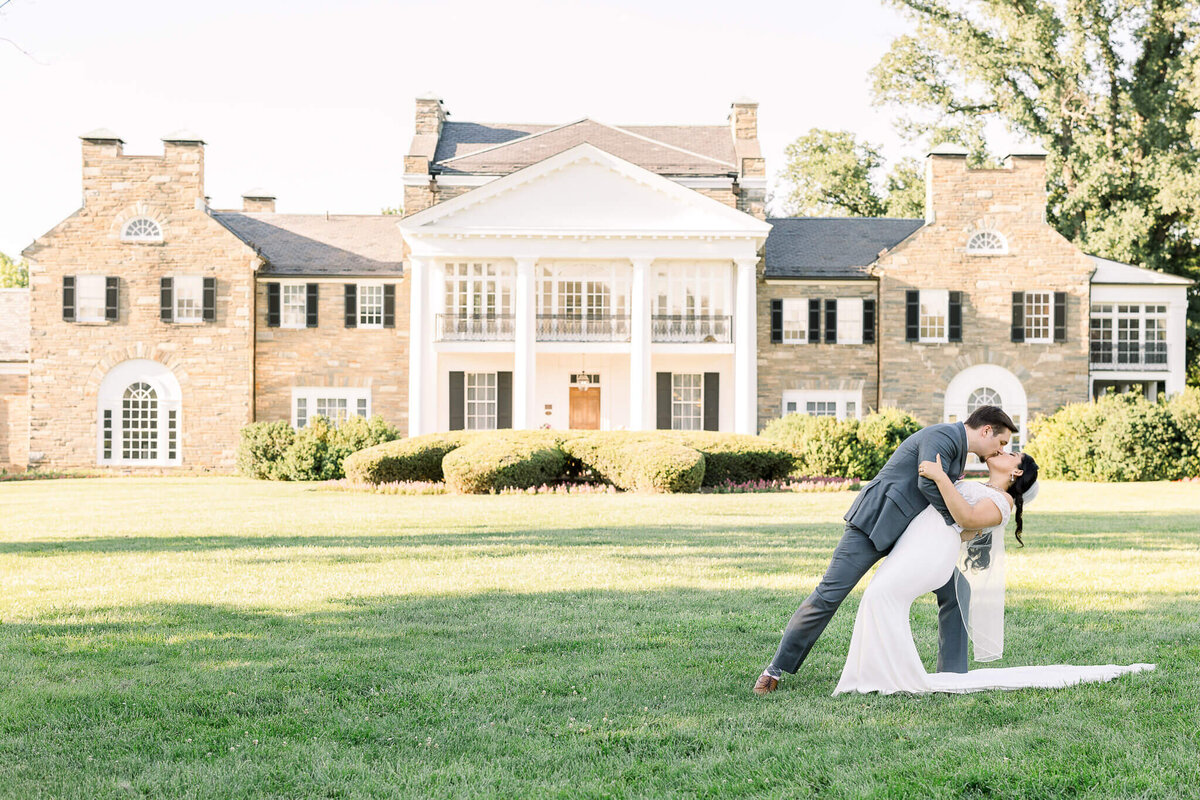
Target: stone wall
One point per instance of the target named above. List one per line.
(68, 360)
(14, 421)
(333, 355)
(783, 367)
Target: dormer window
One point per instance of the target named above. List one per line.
(141, 229)
(987, 243)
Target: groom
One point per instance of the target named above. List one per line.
(875, 521)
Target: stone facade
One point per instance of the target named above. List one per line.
(332, 355)
(14, 421)
(212, 361)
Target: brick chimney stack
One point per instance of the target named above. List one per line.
(418, 183)
(258, 199)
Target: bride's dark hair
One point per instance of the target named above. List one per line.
(1029, 473)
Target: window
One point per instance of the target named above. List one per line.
(850, 320)
(478, 290)
(481, 401)
(370, 305)
(139, 415)
(987, 243)
(795, 320)
(935, 307)
(1128, 335)
(987, 396)
(1102, 334)
(189, 298)
(1039, 316)
(89, 298)
(141, 229)
(692, 290)
(139, 423)
(687, 401)
(822, 403)
(294, 305)
(336, 404)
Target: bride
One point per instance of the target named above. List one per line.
(883, 657)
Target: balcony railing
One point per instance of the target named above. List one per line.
(474, 327)
(689, 328)
(582, 328)
(1131, 355)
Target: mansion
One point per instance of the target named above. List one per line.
(582, 275)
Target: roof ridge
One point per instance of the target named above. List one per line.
(524, 138)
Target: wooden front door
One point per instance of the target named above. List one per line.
(585, 409)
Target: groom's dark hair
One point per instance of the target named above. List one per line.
(990, 415)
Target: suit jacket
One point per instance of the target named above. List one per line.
(886, 505)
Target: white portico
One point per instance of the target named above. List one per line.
(583, 291)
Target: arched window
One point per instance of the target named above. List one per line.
(987, 385)
(987, 243)
(141, 229)
(139, 415)
(983, 396)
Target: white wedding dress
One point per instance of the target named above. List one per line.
(883, 657)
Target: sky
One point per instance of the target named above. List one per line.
(315, 100)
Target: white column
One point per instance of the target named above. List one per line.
(419, 340)
(745, 348)
(435, 300)
(641, 383)
(525, 352)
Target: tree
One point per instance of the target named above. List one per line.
(832, 173)
(13, 274)
(1110, 88)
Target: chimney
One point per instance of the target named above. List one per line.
(185, 151)
(743, 118)
(258, 199)
(431, 113)
(98, 146)
(942, 161)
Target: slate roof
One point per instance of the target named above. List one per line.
(493, 149)
(316, 244)
(1109, 271)
(831, 247)
(14, 324)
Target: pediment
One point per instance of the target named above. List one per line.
(584, 190)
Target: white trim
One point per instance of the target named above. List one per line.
(934, 297)
(840, 397)
(111, 396)
(416, 178)
(850, 308)
(358, 304)
(705, 183)
(102, 280)
(283, 323)
(154, 239)
(310, 394)
(753, 182)
(14, 367)
(992, 376)
(1002, 251)
(198, 280)
(464, 180)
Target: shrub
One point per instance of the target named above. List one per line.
(877, 437)
(639, 461)
(310, 457)
(736, 458)
(1185, 408)
(402, 460)
(849, 448)
(504, 460)
(262, 447)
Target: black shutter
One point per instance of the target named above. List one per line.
(210, 299)
(112, 299)
(814, 321)
(68, 298)
(503, 399)
(664, 401)
(457, 401)
(389, 305)
(831, 322)
(776, 321)
(955, 317)
(1060, 316)
(712, 401)
(1018, 317)
(310, 306)
(351, 305)
(912, 315)
(869, 321)
(166, 299)
(272, 305)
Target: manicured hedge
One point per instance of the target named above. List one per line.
(262, 447)
(737, 458)
(416, 459)
(275, 451)
(850, 448)
(504, 460)
(1120, 437)
(648, 462)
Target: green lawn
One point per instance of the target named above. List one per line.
(227, 638)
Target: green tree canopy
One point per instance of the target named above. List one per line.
(832, 173)
(13, 274)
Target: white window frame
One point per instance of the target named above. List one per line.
(90, 289)
(365, 309)
(687, 395)
(795, 320)
(358, 401)
(849, 320)
(603, 289)
(933, 304)
(128, 236)
(848, 401)
(481, 401)
(701, 289)
(478, 289)
(286, 288)
(110, 400)
(181, 287)
(975, 248)
(1039, 328)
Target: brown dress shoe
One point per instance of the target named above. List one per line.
(765, 684)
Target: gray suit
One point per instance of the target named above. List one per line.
(878, 516)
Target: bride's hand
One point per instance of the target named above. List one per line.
(931, 469)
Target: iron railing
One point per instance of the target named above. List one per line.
(583, 327)
(691, 328)
(474, 327)
(1129, 355)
